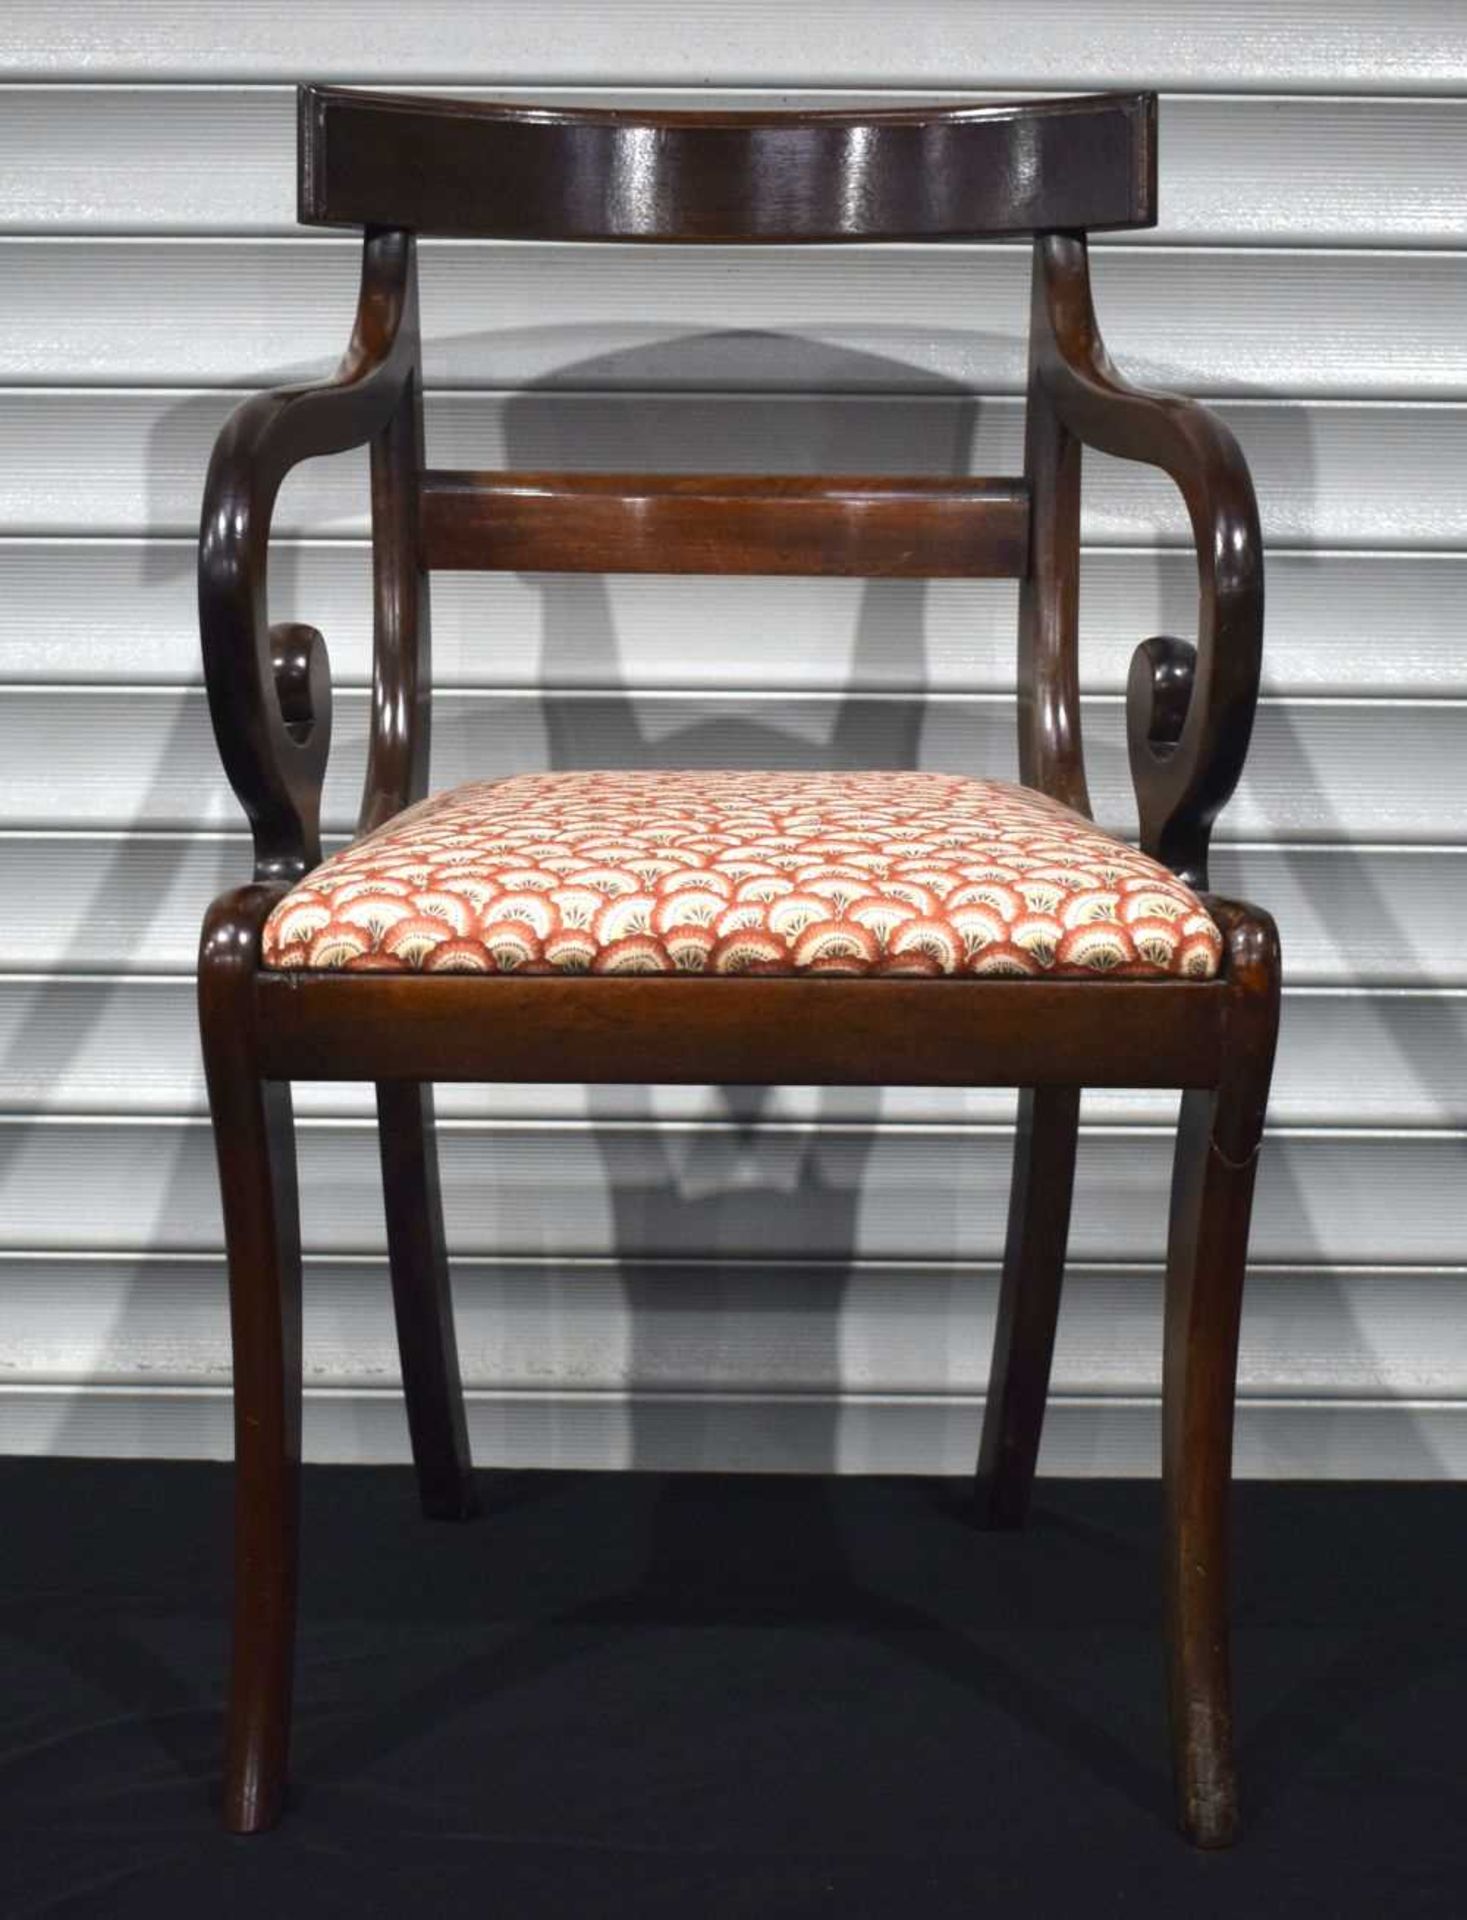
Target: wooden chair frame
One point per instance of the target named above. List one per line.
(398, 166)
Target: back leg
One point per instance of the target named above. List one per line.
(422, 1301)
(1028, 1305)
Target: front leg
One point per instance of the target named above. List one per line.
(1212, 1197)
(255, 1141)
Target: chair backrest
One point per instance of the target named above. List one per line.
(422, 164)
(400, 165)
(511, 172)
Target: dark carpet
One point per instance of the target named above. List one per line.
(637, 1694)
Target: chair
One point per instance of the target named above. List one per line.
(758, 928)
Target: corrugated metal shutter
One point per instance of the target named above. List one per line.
(693, 1277)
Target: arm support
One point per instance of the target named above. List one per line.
(1189, 709)
(269, 688)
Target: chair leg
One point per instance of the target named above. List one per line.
(422, 1300)
(1029, 1298)
(255, 1139)
(1212, 1201)
(1211, 1204)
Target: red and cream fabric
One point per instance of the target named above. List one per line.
(838, 873)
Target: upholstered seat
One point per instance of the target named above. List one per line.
(830, 873)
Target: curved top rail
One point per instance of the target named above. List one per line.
(504, 170)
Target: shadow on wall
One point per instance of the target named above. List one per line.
(733, 1237)
(717, 1192)
(737, 1241)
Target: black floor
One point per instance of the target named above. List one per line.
(631, 1695)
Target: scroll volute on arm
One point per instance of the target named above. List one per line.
(269, 687)
(1189, 705)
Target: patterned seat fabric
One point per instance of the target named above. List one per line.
(839, 873)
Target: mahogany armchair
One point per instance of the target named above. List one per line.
(884, 927)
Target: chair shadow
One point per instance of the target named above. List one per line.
(671, 1188)
(803, 1551)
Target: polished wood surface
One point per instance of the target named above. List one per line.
(1189, 706)
(402, 657)
(276, 766)
(422, 1303)
(1218, 1143)
(726, 523)
(759, 1030)
(523, 172)
(1045, 1139)
(254, 1139)
(399, 164)
(1051, 750)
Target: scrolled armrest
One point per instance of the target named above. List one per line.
(269, 688)
(1189, 708)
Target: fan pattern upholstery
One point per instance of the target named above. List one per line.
(839, 873)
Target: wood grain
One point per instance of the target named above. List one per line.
(517, 171)
(876, 528)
